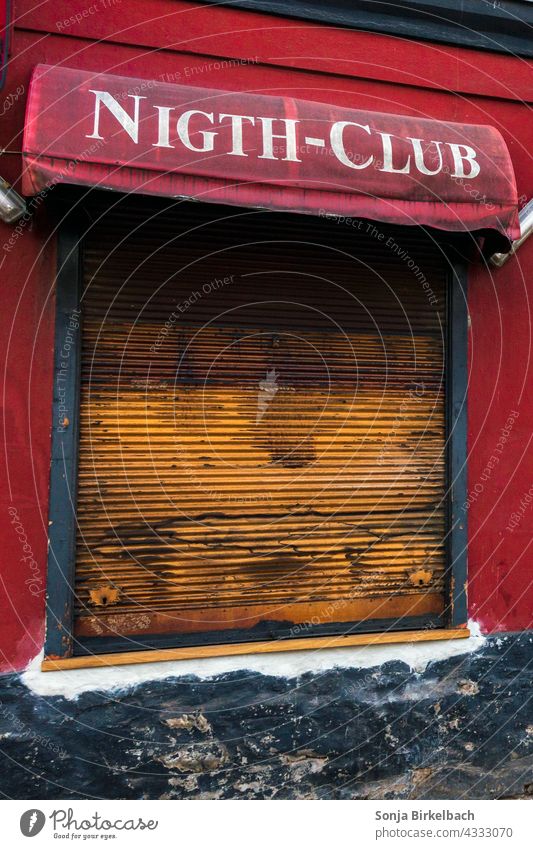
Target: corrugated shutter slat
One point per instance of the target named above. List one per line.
(262, 431)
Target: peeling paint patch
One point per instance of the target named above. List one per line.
(468, 688)
(189, 722)
(205, 757)
(303, 763)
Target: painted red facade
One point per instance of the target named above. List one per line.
(219, 48)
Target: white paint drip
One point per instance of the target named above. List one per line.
(72, 682)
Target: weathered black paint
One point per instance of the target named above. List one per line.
(462, 728)
(502, 27)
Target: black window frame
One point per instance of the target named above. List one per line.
(60, 642)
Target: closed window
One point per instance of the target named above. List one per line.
(263, 426)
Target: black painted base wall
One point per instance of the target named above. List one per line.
(461, 729)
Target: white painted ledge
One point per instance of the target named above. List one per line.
(71, 683)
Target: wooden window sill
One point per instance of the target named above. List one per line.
(195, 652)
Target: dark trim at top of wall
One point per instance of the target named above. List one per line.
(502, 27)
(5, 40)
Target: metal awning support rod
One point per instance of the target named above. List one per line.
(525, 217)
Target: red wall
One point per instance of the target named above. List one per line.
(185, 43)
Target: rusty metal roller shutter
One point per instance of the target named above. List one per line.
(262, 431)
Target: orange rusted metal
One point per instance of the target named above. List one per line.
(262, 421)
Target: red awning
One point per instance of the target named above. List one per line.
(273, 152)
